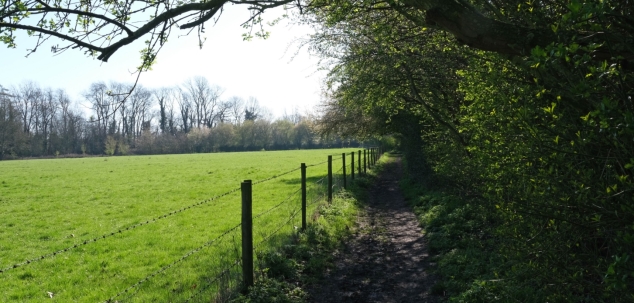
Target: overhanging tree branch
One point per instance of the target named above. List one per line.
(102, 22)
(152, 24)
(47, 9)
(52, 33)
(476, 30)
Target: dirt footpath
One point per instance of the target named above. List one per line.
(386, 260)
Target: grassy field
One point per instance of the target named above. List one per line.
(52, 205)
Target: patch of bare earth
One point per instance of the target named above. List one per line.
(386, 260)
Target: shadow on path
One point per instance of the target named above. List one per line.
(386, 260)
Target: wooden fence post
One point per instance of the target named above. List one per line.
(343, 157)
(303, 196)
(359, 162)
(329, 179)
(374, 151)
(365, 161)
(352, 166)
(247, 234)
(373, 156)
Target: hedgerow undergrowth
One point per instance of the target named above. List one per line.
(460, 239)
(478, 258)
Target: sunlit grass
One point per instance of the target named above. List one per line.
(48, 205)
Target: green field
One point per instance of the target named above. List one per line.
(55, 204)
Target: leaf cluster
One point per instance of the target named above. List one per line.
(542, 140)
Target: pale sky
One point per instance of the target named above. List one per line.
(271, 70)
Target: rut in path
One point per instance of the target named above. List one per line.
(386, 260)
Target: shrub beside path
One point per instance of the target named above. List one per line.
(386, 258)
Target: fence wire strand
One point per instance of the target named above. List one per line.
(320, 180)
(317, 186)
(208, 285)
(276, 176)
(340, 169)
(166, 267)
(264, 225)
(108, 235)
(316, 164)
(278, 205)
(291, 217)
(317, 198)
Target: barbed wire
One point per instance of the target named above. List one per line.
(290, 171)
(320, 163)
(337, 181)
(108, 235)
(278, 205)
(276, 176)
(218, 276)
(320, 180)
(317, 186)
(291, 217)
(317, 198)
(340, 169)
(166, 267)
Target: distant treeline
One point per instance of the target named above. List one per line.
(192, 117)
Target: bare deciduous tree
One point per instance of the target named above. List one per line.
(236, 109)
(204, 99)
(164, 99)
(185, 110)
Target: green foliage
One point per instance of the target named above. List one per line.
(535, 142)
(267, 290)
(527, 161)
(459, 236)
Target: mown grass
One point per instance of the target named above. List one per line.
(48, 205)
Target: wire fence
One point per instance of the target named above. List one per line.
(116, 232)
(125, 294)
(271, 229)
(214, 271)
(276, 176)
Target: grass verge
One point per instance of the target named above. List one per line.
(306, 256)
(461, 239)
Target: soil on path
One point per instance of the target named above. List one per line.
(386, 260)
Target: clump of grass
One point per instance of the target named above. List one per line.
(309, 253)
(268, 290)
(306, 255)
(462, 242)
